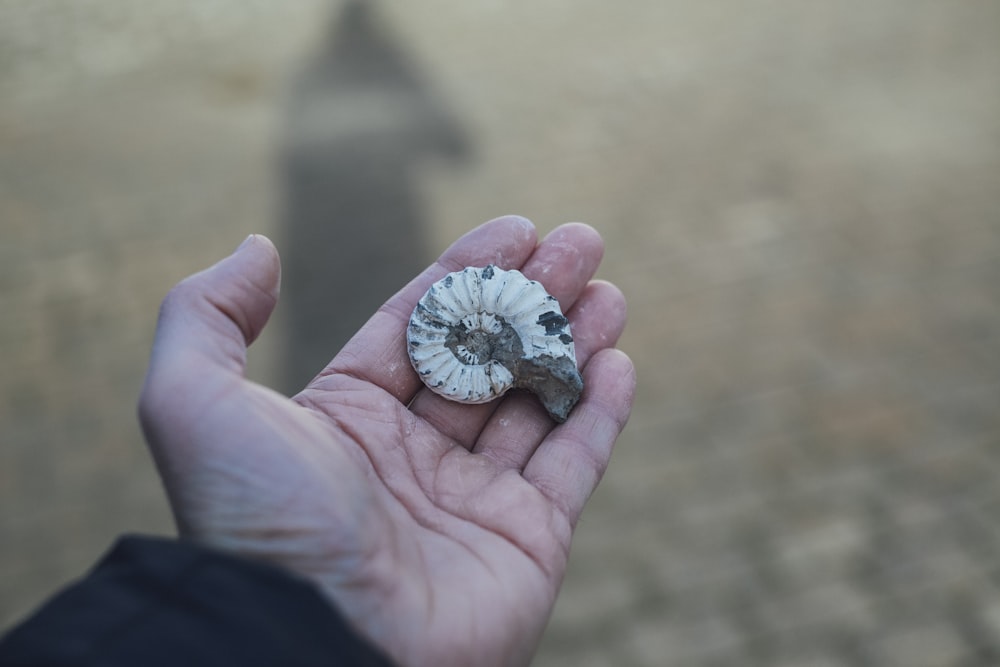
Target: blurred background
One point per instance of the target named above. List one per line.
(801, 201)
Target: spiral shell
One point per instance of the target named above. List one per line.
(478, 332)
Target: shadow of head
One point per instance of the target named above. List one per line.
(360, 120)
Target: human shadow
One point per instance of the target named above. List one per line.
(360, 120)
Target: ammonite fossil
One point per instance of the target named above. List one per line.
(480, 331)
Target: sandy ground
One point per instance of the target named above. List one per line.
(800, 200)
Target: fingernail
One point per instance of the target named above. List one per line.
(246, 241)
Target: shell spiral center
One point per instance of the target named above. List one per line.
(480, 338)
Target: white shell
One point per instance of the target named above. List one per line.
(480, 331)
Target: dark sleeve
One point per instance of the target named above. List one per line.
(153, 601)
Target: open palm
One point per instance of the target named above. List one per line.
(440, 530)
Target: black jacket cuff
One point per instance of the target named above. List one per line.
(155, 601)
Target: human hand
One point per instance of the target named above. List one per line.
(440, 530)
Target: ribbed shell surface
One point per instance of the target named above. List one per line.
(461, 334)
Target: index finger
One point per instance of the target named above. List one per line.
(377, 353)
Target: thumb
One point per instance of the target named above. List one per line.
(206, 323)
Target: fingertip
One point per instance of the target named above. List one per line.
(255, 241)
(619, 361)
(516, 229)
(580, 238)
(610, 287)
(266, 262)
(506, 241)
(580, 230)
(608, 295)
(514, 220)
(615, 362)
(611, 375)
(217, 312)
